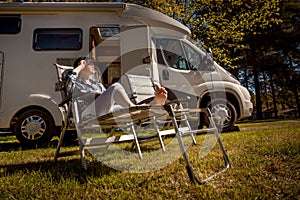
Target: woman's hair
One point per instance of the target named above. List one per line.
(87, 59)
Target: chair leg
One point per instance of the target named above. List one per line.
(185, 119)
(226, 158)
(132, 128)
(179, 135)
(61, 137)
(62, 134)
(82, 153)
(181, 145)
(158, 134)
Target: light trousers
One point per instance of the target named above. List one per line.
(112, 99)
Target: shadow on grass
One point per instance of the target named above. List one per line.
(64, 168)
(10, 146)
(60, 170)
(15, 146)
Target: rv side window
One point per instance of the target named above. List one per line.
(172, 53)
(10, 24)
(57, 39)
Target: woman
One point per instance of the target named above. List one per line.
(101, 101)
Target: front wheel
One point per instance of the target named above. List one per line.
(34, 127)
(223, 113)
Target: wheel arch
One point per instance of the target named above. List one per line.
(27, 108)
(16, 107)
(230, 95)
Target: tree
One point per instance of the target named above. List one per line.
(238, 32)
(289, 45)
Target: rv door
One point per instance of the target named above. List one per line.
(135, 50)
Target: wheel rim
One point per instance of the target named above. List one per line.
(33, 127)
(221, 114)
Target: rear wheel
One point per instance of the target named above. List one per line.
(223, 113)
(34, 127)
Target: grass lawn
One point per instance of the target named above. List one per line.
(265, 164)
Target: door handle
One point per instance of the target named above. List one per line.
(165, 74)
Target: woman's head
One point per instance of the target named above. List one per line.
(89, 65)
(88, 60)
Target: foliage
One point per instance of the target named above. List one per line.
(223, 25)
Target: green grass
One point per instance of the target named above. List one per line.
(264, 165)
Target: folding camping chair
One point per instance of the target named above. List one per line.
(119, 119)
(141, 88)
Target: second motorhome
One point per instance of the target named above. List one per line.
(121, 38)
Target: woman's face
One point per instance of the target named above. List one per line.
(89, 68)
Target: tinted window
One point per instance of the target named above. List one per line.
(10, 24)
(109, 31)
(172, 53)
(57, 39)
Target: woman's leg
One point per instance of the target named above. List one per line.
(113, 98)
(120, 96)
(114, 95)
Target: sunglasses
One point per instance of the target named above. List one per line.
(90, 63)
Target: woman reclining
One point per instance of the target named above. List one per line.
(101, 100)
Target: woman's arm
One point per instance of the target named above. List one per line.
(80, 67)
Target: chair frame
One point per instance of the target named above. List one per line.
(172, 113)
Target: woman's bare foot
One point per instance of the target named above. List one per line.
(161, 96)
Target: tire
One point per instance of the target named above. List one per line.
(34, 127)
(224, 114)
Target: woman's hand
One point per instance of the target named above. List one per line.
(80, 67)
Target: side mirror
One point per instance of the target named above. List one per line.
(147, 60)
(209, 52)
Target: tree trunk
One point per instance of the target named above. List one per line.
(266, 91)
(294, 87)
(246, 79)
(257, 94)
(273, 96)
(295, 90)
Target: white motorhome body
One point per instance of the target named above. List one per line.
(119, 36)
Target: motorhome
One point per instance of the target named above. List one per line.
(121, 38)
